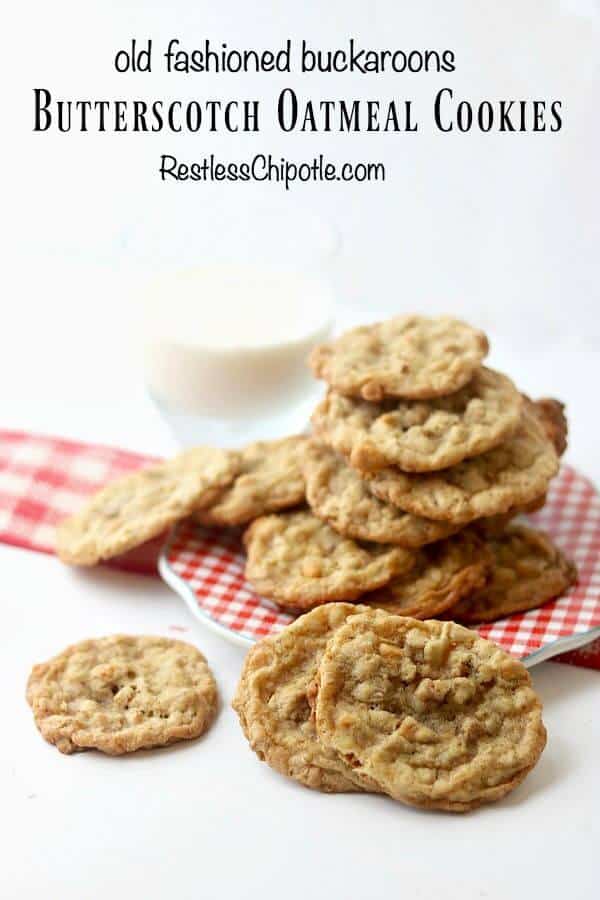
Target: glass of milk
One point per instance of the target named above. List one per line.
(228, 322)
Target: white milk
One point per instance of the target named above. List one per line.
(225, 349)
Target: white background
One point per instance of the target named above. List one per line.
(501, 229)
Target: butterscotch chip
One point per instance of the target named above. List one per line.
(443, 574)
(272, 702)
(122, 693)
(511, 475)
(337, 494)
(300, 562)
(138, 507)
(437, 716)
(421, 435)
(408, 356)
(269, 480)
(527, 570)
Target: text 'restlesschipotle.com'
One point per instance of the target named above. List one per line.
(264, 167)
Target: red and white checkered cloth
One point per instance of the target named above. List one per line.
(43, 479)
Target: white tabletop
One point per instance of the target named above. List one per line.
(207, 818)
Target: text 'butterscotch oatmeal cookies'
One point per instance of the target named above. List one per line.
(272, 702)
(443, 573)
(337, 494)
(134, 509)
(300, 562)
(511, 475)
(407, 356)
(437, 716)
(527, 570)
(269, 480)
(122, 693)
(421, 435)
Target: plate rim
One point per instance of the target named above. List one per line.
(181, 587)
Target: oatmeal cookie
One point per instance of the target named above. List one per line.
(421, 435)
(269, 480)
(300, 562)
(527, 571)
(508, 476)
(491, 526)
(443, 574)
(551, 413)
(272, 702)
(122, 693)
(408, 356)
(140, 506)
(337, 494)
(436, 715)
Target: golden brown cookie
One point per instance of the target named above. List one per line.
(122, 693)
(511, 475)
(272, 702)
(421, 435)
(437, 716)
(408, 356)
(338, 495)
(269, 480)
(443, 574)
(493, 525)
(134, 509)
(300, 562)
(527, 570)
(552, 416)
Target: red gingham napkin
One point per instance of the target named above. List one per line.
(43, 479)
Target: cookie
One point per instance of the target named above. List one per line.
(491, 526)
(552, 416)
(272, 702)
(131, 510)
(436, 715)
(300, 562)
(511, 475)
(338, 495)
(269, 480)
(122, 693)
(527, 571)
(443, 574)
(421, 435)
(408, 356)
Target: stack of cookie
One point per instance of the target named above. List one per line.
(403, 497)
(420, 459)
(348, 698)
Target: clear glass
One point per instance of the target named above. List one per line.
(230, 306)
